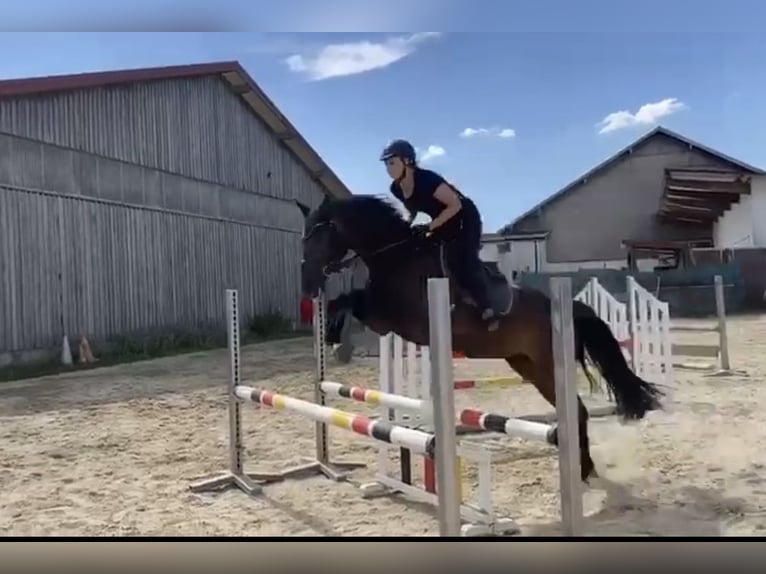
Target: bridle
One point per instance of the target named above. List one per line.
(344, 262)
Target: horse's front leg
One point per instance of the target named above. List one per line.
(338, 322)
(361, 304)
(339, 312)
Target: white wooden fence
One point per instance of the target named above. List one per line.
(642, 327)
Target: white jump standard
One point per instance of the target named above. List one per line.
(251, 482)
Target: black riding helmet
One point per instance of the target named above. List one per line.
(401, 149)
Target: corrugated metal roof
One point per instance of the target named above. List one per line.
(232, 72)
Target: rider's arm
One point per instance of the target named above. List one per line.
(394, 189)
(445, 194)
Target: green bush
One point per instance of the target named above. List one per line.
(269, 325)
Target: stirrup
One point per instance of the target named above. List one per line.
(492, 321)
(488, 313)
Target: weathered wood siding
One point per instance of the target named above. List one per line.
(84, 267)
(133, 208)
(34, 165)
(197, 128)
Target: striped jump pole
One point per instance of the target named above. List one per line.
(415, 440)
(371, 396)
(486, 382)
(409, 383)
(519, 428)
(413, 380)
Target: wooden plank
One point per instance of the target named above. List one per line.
(693, 329)
(691, 350)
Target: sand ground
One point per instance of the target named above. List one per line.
(112, 451)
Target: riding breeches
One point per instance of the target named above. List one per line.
(462, 239)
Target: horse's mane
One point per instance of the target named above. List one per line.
(373, 220)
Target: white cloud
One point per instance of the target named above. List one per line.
(335, 60)
(433, 151)
(497, 132)
(470, 132)
(647, 114)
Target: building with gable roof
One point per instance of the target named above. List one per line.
(661, 196)
(130, 200)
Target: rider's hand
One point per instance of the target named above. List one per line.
(421, 230)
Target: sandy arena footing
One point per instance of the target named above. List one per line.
(112, 452)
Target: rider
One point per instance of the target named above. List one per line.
(454, 217)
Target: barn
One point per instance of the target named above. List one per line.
(130, 200)
(665, 201)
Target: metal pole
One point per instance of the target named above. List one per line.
(236, 446)
(443, 397)
(723, 339)
(322, 451)
(566, 405)
(236, 475)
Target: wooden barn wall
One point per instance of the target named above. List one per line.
(84, 266)
(134, 207)
(196, 128)
(29, 164)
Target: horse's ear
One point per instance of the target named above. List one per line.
(305, 209)
(326, 201)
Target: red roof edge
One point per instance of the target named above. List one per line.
(27, 86)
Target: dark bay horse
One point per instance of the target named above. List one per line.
(395, 299)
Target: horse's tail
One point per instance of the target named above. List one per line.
(579, 346)
(633, 395)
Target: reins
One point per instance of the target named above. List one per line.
(335, 267)
(346, 262)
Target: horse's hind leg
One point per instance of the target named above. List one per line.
(542, 377)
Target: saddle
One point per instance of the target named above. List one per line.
(499, 290)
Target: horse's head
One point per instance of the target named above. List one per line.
(323, 245)
(364, 224)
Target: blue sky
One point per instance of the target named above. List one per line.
(540, 107)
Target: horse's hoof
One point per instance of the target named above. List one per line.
(343, 353)
(592, 476)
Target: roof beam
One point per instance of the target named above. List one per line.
(707, 186)
(702, 198)
(701, 169)
(239, 89)
(711, 215)
(670, 205)
(694, 220)
(707, 174)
